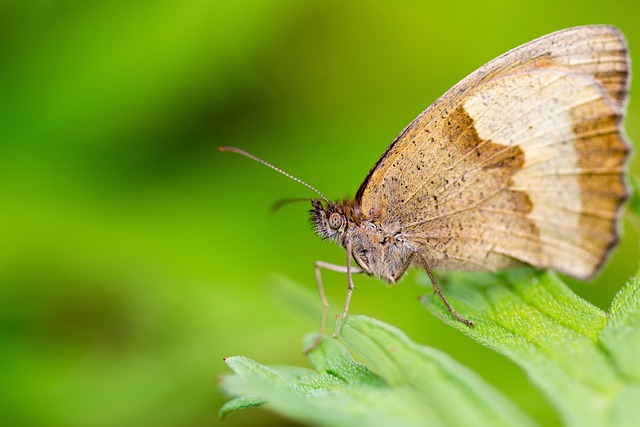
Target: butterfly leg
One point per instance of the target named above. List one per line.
(325, 305)
(350, 289)
(404, 268)
(437, 290)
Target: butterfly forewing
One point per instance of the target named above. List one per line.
(522, 161)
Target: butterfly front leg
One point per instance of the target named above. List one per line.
(349, 270)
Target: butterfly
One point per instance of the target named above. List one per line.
(521, 162)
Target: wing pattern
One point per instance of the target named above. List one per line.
(522, 161)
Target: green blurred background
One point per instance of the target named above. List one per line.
(135, 256)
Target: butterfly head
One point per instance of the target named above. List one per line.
(329, 221)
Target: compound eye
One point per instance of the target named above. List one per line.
(335, 220)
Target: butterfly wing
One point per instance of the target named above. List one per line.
(522, 161)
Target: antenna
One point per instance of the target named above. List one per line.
(259, 160)
(282, 202)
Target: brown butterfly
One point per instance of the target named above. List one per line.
(521, 162)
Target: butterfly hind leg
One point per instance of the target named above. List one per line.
(437, 290)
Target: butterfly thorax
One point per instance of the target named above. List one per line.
(380, 249)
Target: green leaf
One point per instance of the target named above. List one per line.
(585, 360)
(243, 402)
(407, 384)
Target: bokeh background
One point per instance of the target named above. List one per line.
(134, 256)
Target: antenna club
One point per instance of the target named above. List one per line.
(232, 150)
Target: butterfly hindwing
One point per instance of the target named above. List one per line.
(522, 161)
